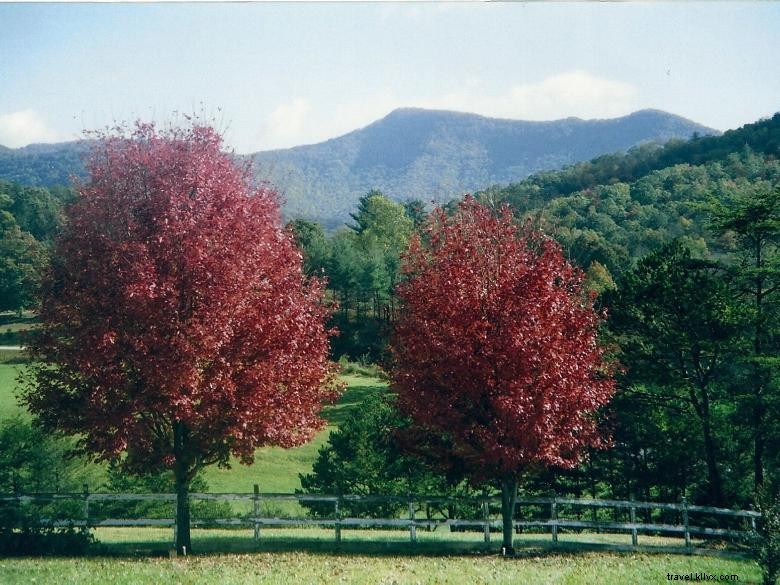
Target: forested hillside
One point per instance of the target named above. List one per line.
(411, 153)
(29, 220)
(681, 245)
(44, 165)
(439, 155)
(607, 213)
(679, 242)
(616, 208)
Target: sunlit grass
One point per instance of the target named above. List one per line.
(391, 565)
(311, 555)
(8, 390)
(12, 361)
(275, 469)
(242, 539)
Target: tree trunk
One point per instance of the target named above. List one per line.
(713, 473)
(182, 474)
(508, 502)
(758, 445)
(758, 386)
(702, 407)
(758, 400)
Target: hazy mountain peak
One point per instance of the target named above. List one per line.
(440, 154)
(409, 153)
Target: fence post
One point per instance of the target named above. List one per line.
(256, 509)
(18, 500)
(554, 518)
(338, 518)
(412, 527)
(634, 537)
(686, 523)
(86, 506)
(175, 518)
(752, 519)
(486, 518)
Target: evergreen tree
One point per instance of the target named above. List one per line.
(750, 218)
(677, 327)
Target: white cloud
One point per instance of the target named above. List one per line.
(574, 93)
(287, 123)
(296, 122)
(23, 128)
(360, 112)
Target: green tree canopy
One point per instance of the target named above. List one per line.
(678, 327)
(311, 240)
(748, 220)
(22, 260)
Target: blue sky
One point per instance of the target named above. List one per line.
(274, 75)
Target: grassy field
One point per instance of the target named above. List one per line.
(13, 327)
(8, 374)
(140, 556)
(156, 541)
(275, 469)
(350, 567)
(310, 555)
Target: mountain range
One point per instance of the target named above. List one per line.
(411, 153)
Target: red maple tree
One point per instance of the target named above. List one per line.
(495, 353)
(177, 327)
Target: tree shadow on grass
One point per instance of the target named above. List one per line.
(227, 545)
(205, 545)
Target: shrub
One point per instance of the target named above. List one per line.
(154, 483)
(765, 539)
(363, 367)
(364, 457)
(24, 531)
(32, 460)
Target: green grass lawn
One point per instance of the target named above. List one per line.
(8, 373)
(129, 541)
(384, 568)
(13, 327)
(310, 555)
(275, 469)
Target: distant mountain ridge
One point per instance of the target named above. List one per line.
(44, 165)
(433, 154)
(410, 153)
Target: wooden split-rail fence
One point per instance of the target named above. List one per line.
(708, 527)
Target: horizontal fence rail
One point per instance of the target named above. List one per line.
(552, 512)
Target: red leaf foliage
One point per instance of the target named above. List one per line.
(496, 356)
(177, 298)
